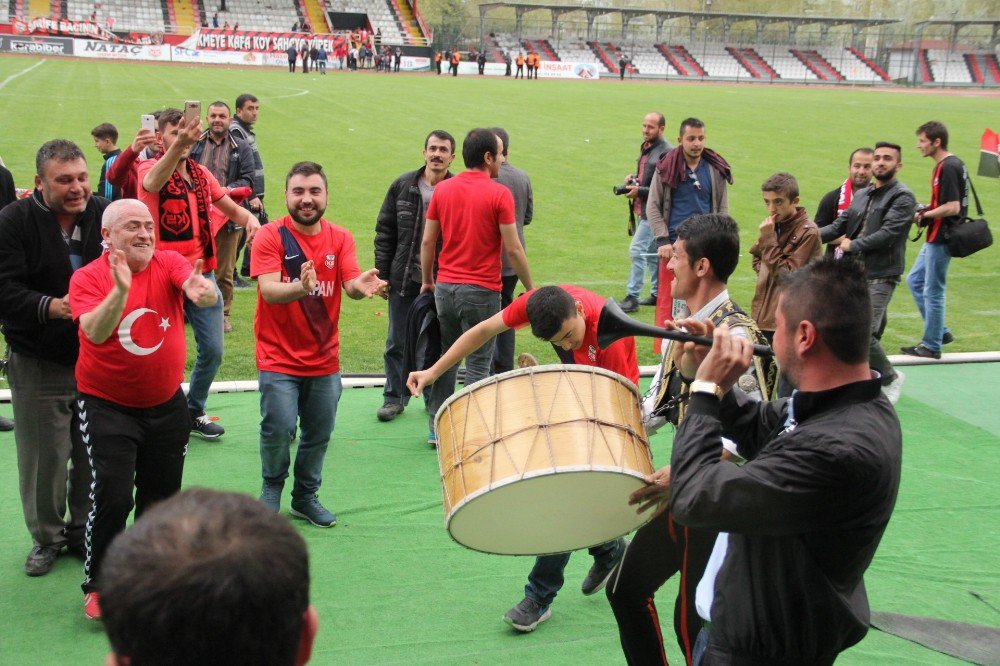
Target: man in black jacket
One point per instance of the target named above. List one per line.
(43, 239)
(231, 161)
(247, 110)
(801, 520)
(642, 250)
(398, 232)
(874, 228)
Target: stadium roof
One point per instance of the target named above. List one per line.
(694, 17)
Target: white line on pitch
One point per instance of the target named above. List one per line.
(21, 73)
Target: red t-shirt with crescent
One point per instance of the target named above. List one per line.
(141, 364)
(286, 338)
(618, 357)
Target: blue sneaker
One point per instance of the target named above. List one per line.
(314, 512)
(432, 439)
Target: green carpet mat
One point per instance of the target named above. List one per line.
(392, 588)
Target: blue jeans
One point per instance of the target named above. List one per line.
(927, 284)
(643, 242)
(314, 401)
(206, 323)
(459, 308)
(546, 577)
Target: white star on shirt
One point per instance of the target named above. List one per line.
(165, 323)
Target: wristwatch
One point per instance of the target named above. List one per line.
(702, 386)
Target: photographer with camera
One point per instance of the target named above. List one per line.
(642, 250)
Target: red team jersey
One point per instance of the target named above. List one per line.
(619, 357)
(286, 339)
(142, 363)
(469, 208)
(203, 239)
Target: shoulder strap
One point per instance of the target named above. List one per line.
(968, 179)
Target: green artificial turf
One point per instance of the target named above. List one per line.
(392, 588)
(575, 139)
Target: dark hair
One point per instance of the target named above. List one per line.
(206, 575)
(168, 117)
(477, 143)
(833, 295)
(935, 130)
(890, 146)
(219, 102)
(866, 151)
(689, 122)
(504, 137)
(661, 120)
(243, 99)
(548, 309)
(305, 169)
(782, 183)
(440, 134)
(105, 131)
(61, 150)
(714, 237)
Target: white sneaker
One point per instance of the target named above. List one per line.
(895, 389)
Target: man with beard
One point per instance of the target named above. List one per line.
(836, 201)
(398, 231)
(130, 308)
(800, 521)
(180, 195)
(874, 229)
(43, 240)
(642, 249)
(301, 263)
(231, 161)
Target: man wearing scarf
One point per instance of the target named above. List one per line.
(837, 200)
(180, 194)
(690, 180)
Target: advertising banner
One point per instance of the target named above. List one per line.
(182, 54)
(208, 39)
(43, 25)
(32, 45)
(569, 70)
(89, 48)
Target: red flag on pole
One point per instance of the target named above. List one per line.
(989, 154)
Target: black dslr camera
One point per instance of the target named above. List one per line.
(619, 190)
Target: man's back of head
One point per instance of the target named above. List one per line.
(208, 577)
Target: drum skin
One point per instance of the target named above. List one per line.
(542, 460)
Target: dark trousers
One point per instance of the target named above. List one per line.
(395, 390)
(503, 352)
(291, 66)
(660, 549)
(129, 447)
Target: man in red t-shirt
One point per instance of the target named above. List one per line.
(133, 415)
(180, 195)
(301, 263)
(475, 218)
(566, 316)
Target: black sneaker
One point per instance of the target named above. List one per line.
(6, 424)
(314, 512)
(600, 572)
(921, 350)
(389, 411)
(240, 283)
(527, 615)
(649, 300)
(629, 304)
(203, 426)
(40, 560)
(947, 338)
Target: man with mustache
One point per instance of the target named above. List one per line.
(874, 229)
(836, 201)
(398, 231)
(301, 263)
(133, 414)
(44, 238)
(181, 196)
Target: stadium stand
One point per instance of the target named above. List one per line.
(262, 15)
(379, 14)
(948, 66)
(651, 61)
(577, 53)
(129, 15)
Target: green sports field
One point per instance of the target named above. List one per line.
(575, 139)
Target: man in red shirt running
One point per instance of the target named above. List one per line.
(566, 316)
(133, 415)
(301, 263)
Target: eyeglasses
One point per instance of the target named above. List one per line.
(694, 180)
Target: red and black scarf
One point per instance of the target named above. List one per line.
(846, 195)
(176, 224)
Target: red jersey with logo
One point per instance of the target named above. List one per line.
(289, 340)
(141, 364)
(202, 243)
(470, 207)
(618, 357)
